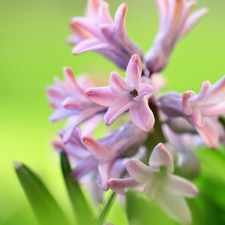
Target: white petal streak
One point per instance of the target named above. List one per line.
(180, 186)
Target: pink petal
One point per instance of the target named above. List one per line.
(174, 206)
(186, 104)
(89, 45)
(118, 84)
(192, 20)
(213, 110)
(107, 31)
(104, 14)
(120, 185)
(92, 7)
(100, 95)
(202, 93)
(197, 117)
(120, 20)
(209, 133)
(142, 89)
(161, 157)
(180, 186)
(139, 171)
(104, 170)
(134, 70)
(97, 150)
(71, 103)
(142, 116)
(61, 113)
(162, 8)
(120, 105)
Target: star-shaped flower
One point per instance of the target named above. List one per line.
(126, 94)
(98, 32)
(175, 23)
(158, 182)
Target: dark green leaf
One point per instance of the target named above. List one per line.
(44, 205)
(82, 211)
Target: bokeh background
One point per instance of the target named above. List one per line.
(33, 50)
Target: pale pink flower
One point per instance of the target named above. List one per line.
(175, 22)
(98, 32)
(158, 182)
(201, 110)
(126, 94)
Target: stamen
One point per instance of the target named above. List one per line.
(134, 93)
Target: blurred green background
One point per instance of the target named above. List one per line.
(33, 50)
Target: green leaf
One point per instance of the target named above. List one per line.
(82, 211)
(44, 205)
(141, 210)
(106, 209)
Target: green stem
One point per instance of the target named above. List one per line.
(105, 211)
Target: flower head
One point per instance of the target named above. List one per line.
(97, 32)
(125, 94)
(175, 22)
(158, 182)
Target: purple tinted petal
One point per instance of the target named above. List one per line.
(92, 7)
(142, 89)
(118, 84)
(120, 105)
(90, 45)
(120, 20)
(197, 117)
(192, 20)
(186, 104)
(60, 114)
(142, 116)
(161, 157)
(139, 171)
(120, 185)
(209, 133)
(134, 70)
(97, 150)
(100, 95)
(71, 103)
(180, 186)
(104, 170)
(104, 13)
(213, 110)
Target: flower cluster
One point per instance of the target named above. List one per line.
(118, 159)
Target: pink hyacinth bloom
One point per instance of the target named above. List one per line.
(175, 22)
(68, 99)
(112, 149)
(126, 94)
(97, 32)
(201, 110)
(158, 182)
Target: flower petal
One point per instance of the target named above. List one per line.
(134, 70)
(174, 206)
(142, 89)
(97, 150)
(180, 186)
(142, 116)
(117, 108)
(118, 84)
(100, 95)
(120, 185)
(161, 157)
(120, 20)
(139, 171)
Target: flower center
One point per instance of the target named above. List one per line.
(134, 93)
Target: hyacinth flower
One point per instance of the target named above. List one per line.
(175, 22)
(125, 94)
(111, 149)
(98, 32)
(68, 100)
(201, 110)
(158, 182)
